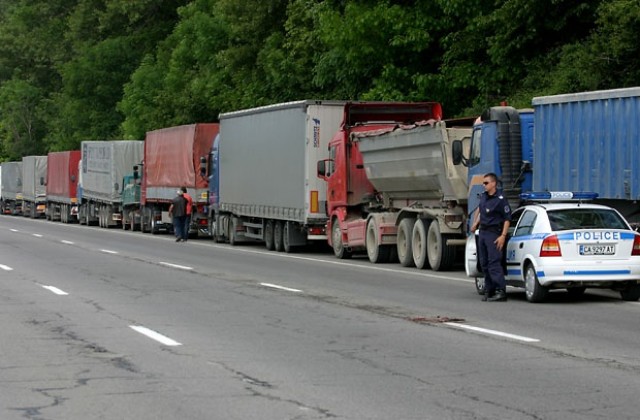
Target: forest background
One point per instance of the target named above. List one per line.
(73, 70)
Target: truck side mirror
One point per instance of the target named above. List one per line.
(322, 169)
(136, 175)
(456, 152)
(42, 181)
(203, 166)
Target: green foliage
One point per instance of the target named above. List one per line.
(105, 69)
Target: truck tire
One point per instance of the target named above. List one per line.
(233, 236)
(268, 235)
(419, 243)
(278, 236)
(286, 246)
(404, 244)
(336, 241)
(441, 256)
(378, 254)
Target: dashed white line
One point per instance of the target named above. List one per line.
(181, 267)
(155, 335)
(14, 230)
(275, 286)
(493, 332)
(37, 235)
(108, 251)
(5, 267)
(56, 290)
(67, 242)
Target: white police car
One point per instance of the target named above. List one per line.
(566, 245)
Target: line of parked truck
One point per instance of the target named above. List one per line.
(390, 179)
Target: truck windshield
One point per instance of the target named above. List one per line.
(569, 219)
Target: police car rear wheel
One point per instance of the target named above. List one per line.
(534, 291)
(631, 293)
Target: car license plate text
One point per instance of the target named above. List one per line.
(597, 249)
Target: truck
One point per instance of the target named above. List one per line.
(103, 165)
(573, 142)
(34, 173)
(12, 188)
(583, 142)
(393, 190)
(171, 161)
(262, 174)
(62, 184)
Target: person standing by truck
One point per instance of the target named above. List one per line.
(493, 218)
(177, 210)
(189, 209)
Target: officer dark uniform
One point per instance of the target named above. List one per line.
(494, 211)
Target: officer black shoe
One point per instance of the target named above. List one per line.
(486, 296)
(500, 296)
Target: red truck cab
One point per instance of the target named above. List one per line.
(350, 194)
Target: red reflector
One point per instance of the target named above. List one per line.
(636, 245)
(316, 231)
(550, 247)
(202, 222)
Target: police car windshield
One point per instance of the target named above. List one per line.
(569, 219)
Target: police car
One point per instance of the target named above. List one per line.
(555, 244)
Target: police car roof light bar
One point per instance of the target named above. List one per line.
(558, 195)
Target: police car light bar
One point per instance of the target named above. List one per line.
(558, 195)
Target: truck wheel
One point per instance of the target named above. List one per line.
(533, 290)
(441, 256)
(405, 250)
(419, 243)
(278, 236)
(233, 236)
(268, 235)
(377, 253)
(336, 240)
(286, 246)
(631, 293)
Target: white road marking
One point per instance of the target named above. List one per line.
(108, 251)
(275, 286)
(67, 242)
(6, 267)
(14, 230)
(155, 336)
(37, 235)
(493, 332)
(181, 267)
(56, 290)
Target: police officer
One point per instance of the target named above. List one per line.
(493, 217)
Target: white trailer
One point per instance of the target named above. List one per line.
(268, 188)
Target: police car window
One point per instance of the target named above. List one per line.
(526, 223)
(568, 219)
(515, 217)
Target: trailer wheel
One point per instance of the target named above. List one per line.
(441, 256)
(377, 253)
(278, 236)
(404, 245)
(419, 243)
(286, 245)
(268, 235)
(336, 240)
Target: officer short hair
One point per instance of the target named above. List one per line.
(493, 176)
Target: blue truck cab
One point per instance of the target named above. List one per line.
(502, 143)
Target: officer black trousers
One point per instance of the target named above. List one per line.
(491, 262)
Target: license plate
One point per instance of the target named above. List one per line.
(597, 249)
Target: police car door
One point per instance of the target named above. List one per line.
(519, 243)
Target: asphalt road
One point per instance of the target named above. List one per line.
(106, 324)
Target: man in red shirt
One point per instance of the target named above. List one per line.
(189, 209)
